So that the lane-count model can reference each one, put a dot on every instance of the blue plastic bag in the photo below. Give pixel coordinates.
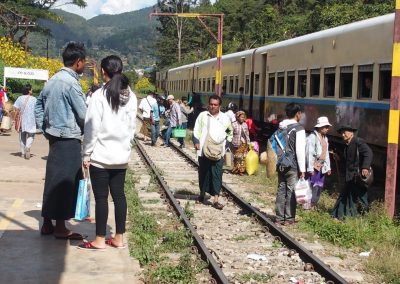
(82, 210)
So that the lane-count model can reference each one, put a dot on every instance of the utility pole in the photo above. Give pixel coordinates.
(394, 121)
(218, 38)
(26, 25)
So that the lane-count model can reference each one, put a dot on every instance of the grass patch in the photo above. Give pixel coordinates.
(188, 210)
(243, 237)
(374, 230)
(257, 277)
(148, 241)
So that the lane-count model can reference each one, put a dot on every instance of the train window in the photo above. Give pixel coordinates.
(247, 85)
(224, 83)
(257, 84)
(346, 81)
(290, 83)
(208, 85)
(199, 89)
(204, 85)
(315, 82)
(281, 83)
(236, 84)
(385, 81)
(231, 84)
(329, 82)
(213, 84)
(271, 84)
(365, 80)
(302, 83)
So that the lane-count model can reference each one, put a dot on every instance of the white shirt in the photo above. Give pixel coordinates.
(300, 146)
(108, 136)
(146, 105)
(26, 105)
(231, 115)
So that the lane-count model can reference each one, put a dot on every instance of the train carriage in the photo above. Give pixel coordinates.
(343, 73)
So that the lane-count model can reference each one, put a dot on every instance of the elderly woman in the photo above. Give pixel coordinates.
(318, 163)
(240, 142)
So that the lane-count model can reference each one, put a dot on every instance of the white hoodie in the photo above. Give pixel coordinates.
(300, 144)
(108, 135)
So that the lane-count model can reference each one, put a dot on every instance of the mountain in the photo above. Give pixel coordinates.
(130, 35)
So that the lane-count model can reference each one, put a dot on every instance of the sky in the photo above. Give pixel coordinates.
(98, 7)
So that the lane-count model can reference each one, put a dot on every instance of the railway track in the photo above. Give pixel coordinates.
(231, 240)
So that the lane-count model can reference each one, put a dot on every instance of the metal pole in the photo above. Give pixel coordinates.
(394, 120)
(47, 48)
(218, 75)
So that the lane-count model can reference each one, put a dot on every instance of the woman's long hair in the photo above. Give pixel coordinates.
(112, 66)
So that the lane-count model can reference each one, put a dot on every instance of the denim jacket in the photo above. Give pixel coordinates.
(60, 108)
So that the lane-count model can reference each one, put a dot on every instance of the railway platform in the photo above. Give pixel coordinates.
(28, 257)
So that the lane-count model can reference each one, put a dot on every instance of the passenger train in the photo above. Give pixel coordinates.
(343, 73)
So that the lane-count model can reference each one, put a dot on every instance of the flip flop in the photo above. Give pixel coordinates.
(89, 246)
(110, 243)
(72, 236)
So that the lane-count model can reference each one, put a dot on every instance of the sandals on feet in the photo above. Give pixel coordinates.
(110, 243)
(218, 205)
(89, 246)
(200, 199)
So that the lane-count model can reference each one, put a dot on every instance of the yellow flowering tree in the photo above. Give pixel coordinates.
(144, 85)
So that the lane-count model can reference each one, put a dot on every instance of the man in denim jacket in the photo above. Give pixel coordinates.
(60, 113)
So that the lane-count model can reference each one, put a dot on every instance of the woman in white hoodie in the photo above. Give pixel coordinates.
(109, 131)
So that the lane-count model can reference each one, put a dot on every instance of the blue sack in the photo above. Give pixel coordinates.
(82, 210)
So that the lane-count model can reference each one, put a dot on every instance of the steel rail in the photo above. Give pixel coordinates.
(213, 266)
(319, 266)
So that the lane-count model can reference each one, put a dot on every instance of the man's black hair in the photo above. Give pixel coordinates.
(215, 97)
(26, 89)
(293, 108)
(72, 52)
(184, 99)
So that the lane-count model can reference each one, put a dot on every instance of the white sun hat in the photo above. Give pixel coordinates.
(322, 121)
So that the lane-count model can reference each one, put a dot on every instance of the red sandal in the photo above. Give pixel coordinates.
(110, 243)
(89, 246)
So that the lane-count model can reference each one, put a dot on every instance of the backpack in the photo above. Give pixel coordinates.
(285, 149)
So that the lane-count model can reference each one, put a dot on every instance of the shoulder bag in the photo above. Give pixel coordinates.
(211, 149)
(18, 116)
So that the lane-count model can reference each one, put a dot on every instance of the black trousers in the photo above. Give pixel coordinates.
(103, 182)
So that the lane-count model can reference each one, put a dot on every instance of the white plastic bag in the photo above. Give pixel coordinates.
(303, 191)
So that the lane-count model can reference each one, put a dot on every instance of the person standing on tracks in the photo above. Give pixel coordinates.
(288, 173)
(109, 131)
(145, 106)
(211, 131)
(25, 108)
(357, 159)
(318, 161)
(60, 113)
(174, 118)
(240, 143)
(155, 122)
(185, 111)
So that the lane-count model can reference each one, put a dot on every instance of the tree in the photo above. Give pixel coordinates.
(175, 6)
(15, 12)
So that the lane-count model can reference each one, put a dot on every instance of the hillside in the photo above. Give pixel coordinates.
(131, 35)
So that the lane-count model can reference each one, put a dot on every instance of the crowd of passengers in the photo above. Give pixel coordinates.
(93, 137)
(296, 155)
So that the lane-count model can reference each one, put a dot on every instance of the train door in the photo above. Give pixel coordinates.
(263, 92)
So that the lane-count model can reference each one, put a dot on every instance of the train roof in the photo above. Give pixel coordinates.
(227, 56)
(331, 32)
(313, 36)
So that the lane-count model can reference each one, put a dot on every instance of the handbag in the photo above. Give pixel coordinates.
(303, 191)
(179, 132)
(82, 209)
(228, 158)
(5, 123)
(365, 181)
